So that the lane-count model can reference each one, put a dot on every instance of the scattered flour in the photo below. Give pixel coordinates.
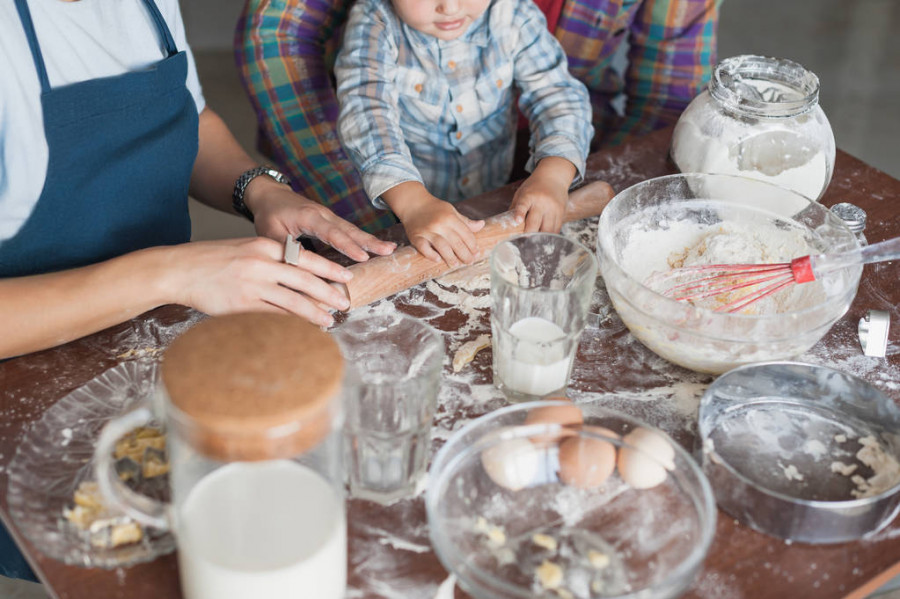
(791, 472)
(815, 448)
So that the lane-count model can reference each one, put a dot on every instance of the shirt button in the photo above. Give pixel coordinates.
(459, 135)
(499, 82)
(465, 181)
(451, 64)
(418, 88)
(459, 108)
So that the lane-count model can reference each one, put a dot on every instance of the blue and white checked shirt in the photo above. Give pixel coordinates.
(416, 108)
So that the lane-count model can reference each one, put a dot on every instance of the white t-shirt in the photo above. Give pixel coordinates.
(79, 41)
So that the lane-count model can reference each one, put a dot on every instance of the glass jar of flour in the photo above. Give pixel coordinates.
(759, 117)
(252, 412)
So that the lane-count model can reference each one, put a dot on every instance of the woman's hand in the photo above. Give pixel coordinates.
(279, 212)
(433, 226)
(541, 199)
(239, 275)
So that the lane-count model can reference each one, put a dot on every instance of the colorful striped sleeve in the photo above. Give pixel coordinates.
(671, 55)
(284, 51)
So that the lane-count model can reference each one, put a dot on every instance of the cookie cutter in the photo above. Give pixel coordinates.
(873, 332)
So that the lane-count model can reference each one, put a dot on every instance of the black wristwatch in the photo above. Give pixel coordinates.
(237, 196)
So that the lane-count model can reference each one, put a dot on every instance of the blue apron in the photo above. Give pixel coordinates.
(121, 153)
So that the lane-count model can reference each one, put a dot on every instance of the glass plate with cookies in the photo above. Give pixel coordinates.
(53, 496)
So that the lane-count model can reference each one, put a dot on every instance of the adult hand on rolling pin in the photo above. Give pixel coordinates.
(433, 226)
(280, 212)
(384, 276)
(249, 275)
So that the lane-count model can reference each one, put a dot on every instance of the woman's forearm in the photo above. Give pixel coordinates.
(46, 310)
(220, 161)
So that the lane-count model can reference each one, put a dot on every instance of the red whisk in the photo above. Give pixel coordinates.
(692, 283)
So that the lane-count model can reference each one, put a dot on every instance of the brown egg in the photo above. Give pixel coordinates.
(601, 430)
(569, 416)
(586, 462)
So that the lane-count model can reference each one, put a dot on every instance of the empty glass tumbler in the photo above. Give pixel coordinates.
(394, 365)
(252, 411)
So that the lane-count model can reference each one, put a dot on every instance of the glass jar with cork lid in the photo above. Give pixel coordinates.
(759, 118)
(252, 410)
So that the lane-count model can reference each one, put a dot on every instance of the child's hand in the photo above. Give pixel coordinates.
(541, 200)
(433, 226)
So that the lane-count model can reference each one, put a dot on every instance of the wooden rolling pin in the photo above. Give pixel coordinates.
(386, 275)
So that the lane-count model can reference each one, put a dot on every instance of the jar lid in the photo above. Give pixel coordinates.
(852, 215)
(253, 386)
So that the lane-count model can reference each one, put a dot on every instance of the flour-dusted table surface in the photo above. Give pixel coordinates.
(389, 553)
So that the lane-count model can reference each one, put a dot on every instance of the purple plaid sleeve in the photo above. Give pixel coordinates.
(672, 51)
(285, 51)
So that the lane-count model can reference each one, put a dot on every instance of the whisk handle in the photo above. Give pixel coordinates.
(877, 252)
(881, 251)
(802, 270)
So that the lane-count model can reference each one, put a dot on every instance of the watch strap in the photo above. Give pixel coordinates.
(240, 186)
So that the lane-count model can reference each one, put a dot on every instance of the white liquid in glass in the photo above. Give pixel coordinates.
(539, 363)
(269, 529)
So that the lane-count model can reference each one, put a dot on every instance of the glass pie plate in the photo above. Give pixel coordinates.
(57, 454)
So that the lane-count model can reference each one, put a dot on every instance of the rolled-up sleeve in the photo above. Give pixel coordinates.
(556, 104)
(671, 55)
(284, 54)
(369, 121)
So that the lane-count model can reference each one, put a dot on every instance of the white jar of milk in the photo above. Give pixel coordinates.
(759, 118)
(252, 412)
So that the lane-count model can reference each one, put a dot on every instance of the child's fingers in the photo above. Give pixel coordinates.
(474, 225)
(463, 250)
(551, 223)
(520, 211)
(533, 221)
(445, 251)
(426, 249)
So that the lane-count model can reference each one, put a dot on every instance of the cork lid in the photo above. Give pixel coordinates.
(253, 386)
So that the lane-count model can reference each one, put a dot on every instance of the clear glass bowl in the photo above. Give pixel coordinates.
(536, 536)
(643, 225)
(802, 452)
(57, 454)
(760, 117)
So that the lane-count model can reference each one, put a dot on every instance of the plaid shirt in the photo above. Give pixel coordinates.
(285, 50)
(416, 108)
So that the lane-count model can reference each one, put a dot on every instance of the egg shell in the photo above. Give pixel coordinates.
(643, 465)
(601, 430)
(586, 462)
(565, 415)
(511, 463)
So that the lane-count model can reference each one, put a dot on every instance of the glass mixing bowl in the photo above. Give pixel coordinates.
(505, 519)
(647, 225)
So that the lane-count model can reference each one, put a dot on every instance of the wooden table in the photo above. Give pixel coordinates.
(390, 556)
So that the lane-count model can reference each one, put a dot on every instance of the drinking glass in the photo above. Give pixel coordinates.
(393, 377)
(541, 287)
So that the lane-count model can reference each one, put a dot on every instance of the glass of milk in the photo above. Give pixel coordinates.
(251, 406)
(393, 377)
(541, 288)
